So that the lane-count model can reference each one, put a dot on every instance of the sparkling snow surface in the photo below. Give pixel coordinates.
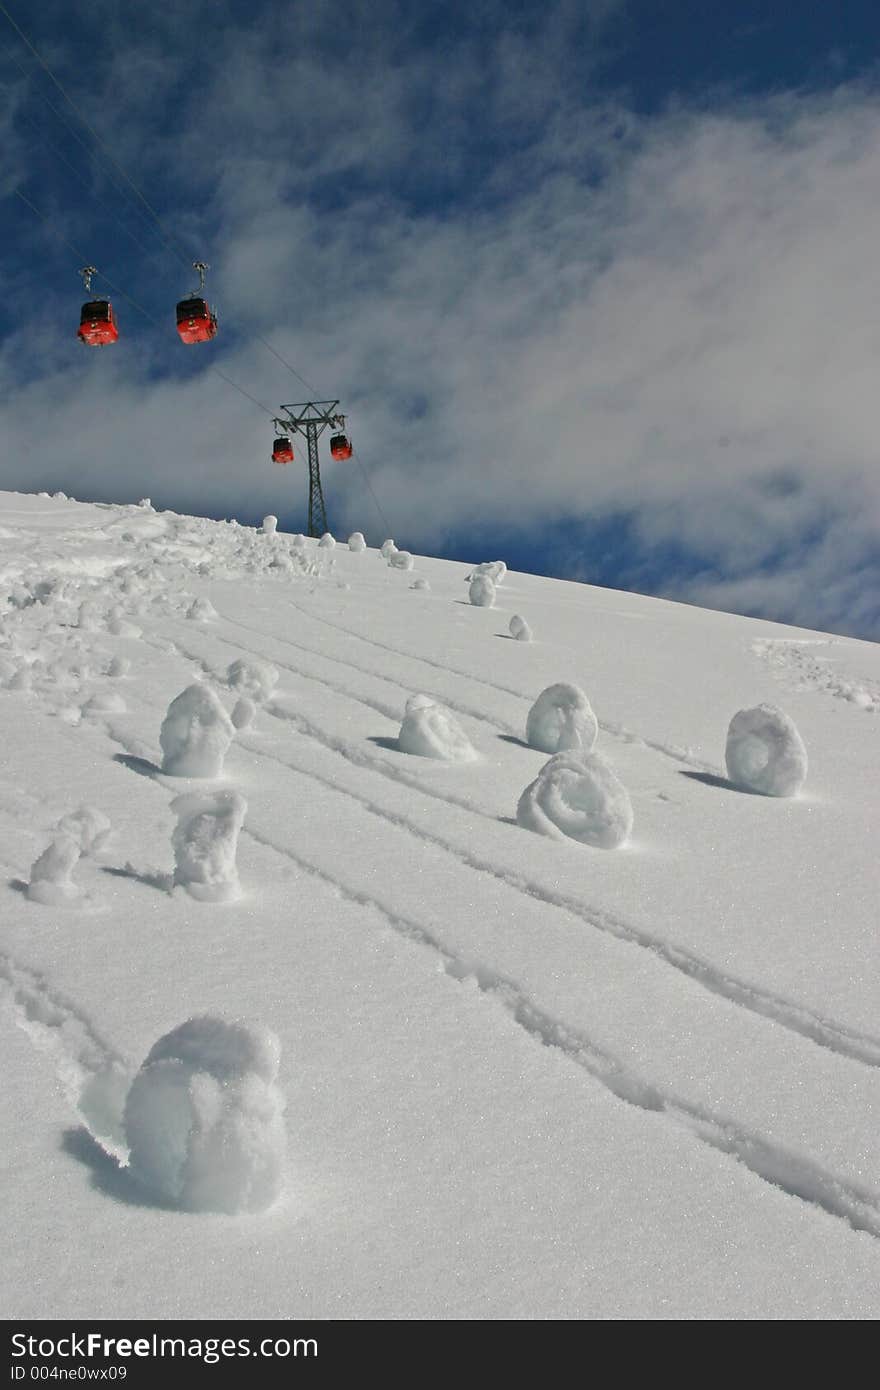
(522, 1077)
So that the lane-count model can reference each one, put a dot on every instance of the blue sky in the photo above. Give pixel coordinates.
(595, 281)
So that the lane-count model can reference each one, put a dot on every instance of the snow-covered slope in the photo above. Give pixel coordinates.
(524, 1077)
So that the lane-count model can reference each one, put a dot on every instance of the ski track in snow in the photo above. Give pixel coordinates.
(58, 1028)
(798, 1018)
(836, 1037)
(618, 731)
(793, 1173)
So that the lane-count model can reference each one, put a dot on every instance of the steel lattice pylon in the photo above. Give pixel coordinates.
(311, 418)
(317, 510)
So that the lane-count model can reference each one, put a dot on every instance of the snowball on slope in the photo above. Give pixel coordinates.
(201, 610)
(519, 629)
(270, 525)
(22, 679)
(765, 753)
(401, 560)
(356, 541)
(430, 731)
(104, 702)
(204, 1119)
(388, 549)
(419, 701)
(91, 616)
(195, 734)
(88, 827)
(256, 679)
(561, 718)
(327, 541)
(244, 713)
(482, 591)
(579, 797)
(119, 626)
(225, 1048)
(50, 880)
(205, 841)
(492, 569)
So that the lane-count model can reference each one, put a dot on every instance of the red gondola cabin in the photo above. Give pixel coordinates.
(340, 447)
(195, 321)
(97, 323)
(282, 450)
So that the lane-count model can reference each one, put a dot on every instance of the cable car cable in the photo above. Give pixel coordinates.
(292, 370)
(386, 523)
(120, 293)
(147, 251)
(94, 134)
(90, 154)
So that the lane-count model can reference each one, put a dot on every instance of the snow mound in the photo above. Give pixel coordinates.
(519, 628)
(195, 734)
(560, 719)
(401, 560)
(50, 881)
(244, 713)
(201, 610)
(482, 591)
(356, 541)
(91, 616)
(430, 731)
(577, 797)
(119, 626)
(388, 549)
(204, 1119)
(105, 702)
(87, 827)
(298, 541)
(270, 525)
(205, 841)
(765, 753)
(251, 677)
(327, 541)
(420, 584)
